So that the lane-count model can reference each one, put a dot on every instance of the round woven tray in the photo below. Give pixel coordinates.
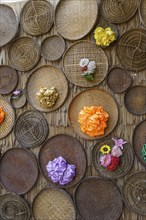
(8, 24)
(53, 204)
(8, 123)
(134, 192)
(126, 160)
(24, 54)
(46, 76)
(98, 198)
(75, 19)
(18, 170)
(8, 79)
(135, 100)
(142, 11)
(72, 57)
(93, 97)
(131, 49)
(31, 129)
(13, 207)
(118, 80)
(53, 47)
(67, 147)
(117, 11)
(18, 102)
(37, 17)
(139, 139)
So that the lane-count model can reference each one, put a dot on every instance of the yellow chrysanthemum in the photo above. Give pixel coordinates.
(103, 36)
(105, 149)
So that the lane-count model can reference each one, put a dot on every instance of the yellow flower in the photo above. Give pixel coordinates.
(105, 149)
(103, 36)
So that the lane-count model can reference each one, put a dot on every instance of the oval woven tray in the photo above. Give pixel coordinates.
(98, 198)
(93, 97)
(131, 50)
(37, 17)
(13, 207)
(46, 76)
(142, 11)
(67, 147)
(24, 54)
(31, 129)
(72, 57)
(53, 204)
(8, 25)
(18, 170)
(75, 19)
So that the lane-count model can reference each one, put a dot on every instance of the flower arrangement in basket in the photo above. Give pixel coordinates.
(88, 68)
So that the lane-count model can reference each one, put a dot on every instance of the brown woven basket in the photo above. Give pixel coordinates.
(24, 54)
(67, 147)
(18, 102)
(9, 24)
(126, 160)
(98, 198)
(18, 170)
(134, 192)
(75, 19)
(72, 57)
(117, 11)
(131, 49)
(46, 76)
(31, 129)
(135, 100)
(53, 204)
(93, 97)
(13, 207)
(37, 17)
(142, 11)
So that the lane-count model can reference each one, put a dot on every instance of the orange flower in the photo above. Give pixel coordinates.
(93, 120)
(2, 115)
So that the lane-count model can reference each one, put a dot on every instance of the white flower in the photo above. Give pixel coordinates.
(91, 66)
(84, 62)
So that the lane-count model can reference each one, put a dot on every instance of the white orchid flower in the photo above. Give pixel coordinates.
(84, 62)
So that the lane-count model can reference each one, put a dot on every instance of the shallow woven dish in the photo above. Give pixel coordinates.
(53, 204)
(131, 49)
(75, 19)
(53, 47)
(117, 11)
(46, 76)
(37, 17)
(139, 138)
(98, 198)
(134, 192)
(126, 160)
(18, 102)
(118, 80)
(135, 100)
(67, 147)
(24, 54)
(13, 207)
(142, 11)
(72, 57)
(8, 79)
(8, 123)
(8, 25)
(18, 170)
(92, 97)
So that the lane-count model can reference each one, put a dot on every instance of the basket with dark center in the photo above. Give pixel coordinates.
(142, 11)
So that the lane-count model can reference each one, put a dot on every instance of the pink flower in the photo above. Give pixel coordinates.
(105, 160)
(119, 142)
(116, 151)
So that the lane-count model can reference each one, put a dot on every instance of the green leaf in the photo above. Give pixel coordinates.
(89, 77)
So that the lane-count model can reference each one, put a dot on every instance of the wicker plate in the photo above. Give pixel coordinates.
(67, 147)
(98, 198)
(91, 97)
(8, 24)
(126, 161)
(7, 125)
(139, 138)
(134, 192)
(135, 100)
(31, 129)
(75, 19)
(131, 49)
(37, 17)
(18, 102)
(142, 11)
(18, 170)
(117, 11)
(46, 76)
(24, 54)
(53, 204)
(72, 57)
(53, 47)
(118, 80)
(13, 207)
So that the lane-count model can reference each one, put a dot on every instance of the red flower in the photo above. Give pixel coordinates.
(84, 68)
(114, 163)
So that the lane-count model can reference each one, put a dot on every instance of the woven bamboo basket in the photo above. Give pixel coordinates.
(142, 11)
(18, 102)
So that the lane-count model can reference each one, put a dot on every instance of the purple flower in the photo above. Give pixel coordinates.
(105, 160)
(119, 142)
(68, 174)
(17, 92)
(116, 151)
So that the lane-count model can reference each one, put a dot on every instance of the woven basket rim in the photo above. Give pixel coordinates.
(139, 13)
